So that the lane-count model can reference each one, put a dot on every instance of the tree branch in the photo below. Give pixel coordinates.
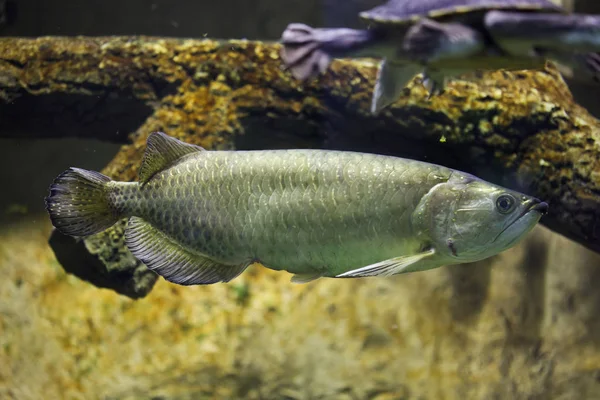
(521, 130)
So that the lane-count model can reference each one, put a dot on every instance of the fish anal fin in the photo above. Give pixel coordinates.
(392, 78)
(390, 267)
(171, 260)
(161, 152)
(305, 278)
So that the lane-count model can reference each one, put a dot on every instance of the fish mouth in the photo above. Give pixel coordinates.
(534, 205)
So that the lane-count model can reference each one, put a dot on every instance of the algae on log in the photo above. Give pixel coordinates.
(518, 129)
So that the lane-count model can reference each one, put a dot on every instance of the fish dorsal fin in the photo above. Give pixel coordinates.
(163, 151)
(390, 267)
(172, 261)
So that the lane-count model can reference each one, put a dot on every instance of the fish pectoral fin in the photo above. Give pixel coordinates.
(389, 267)
(391, 80)
(172, 261)
(161, 152)
(305, 278)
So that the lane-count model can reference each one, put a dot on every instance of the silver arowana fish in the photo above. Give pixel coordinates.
(201, 217)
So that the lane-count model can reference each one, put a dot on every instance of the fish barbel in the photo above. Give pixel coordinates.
(201, 217)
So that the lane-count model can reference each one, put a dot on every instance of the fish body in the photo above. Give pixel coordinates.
(299, 210)
(445, 43)
(200, 217)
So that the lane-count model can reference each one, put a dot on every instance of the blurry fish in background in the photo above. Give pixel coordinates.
(581, 73)
(565, 41)
(445, 39)
(584, 78)
(201, 217)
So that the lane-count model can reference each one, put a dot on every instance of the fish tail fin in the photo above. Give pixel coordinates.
(301, 53)
(79, 203)
(308, 51)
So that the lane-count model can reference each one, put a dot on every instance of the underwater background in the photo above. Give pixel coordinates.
(521, 325)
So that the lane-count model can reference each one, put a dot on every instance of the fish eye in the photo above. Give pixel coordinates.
(505, 203)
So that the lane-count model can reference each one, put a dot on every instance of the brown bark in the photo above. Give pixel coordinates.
(521, 130)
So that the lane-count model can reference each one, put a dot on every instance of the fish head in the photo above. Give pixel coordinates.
(467, 219)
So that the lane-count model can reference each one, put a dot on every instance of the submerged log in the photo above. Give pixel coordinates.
(521, 130)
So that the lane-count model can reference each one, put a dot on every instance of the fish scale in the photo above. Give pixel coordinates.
(271, 191)
(200, 217)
